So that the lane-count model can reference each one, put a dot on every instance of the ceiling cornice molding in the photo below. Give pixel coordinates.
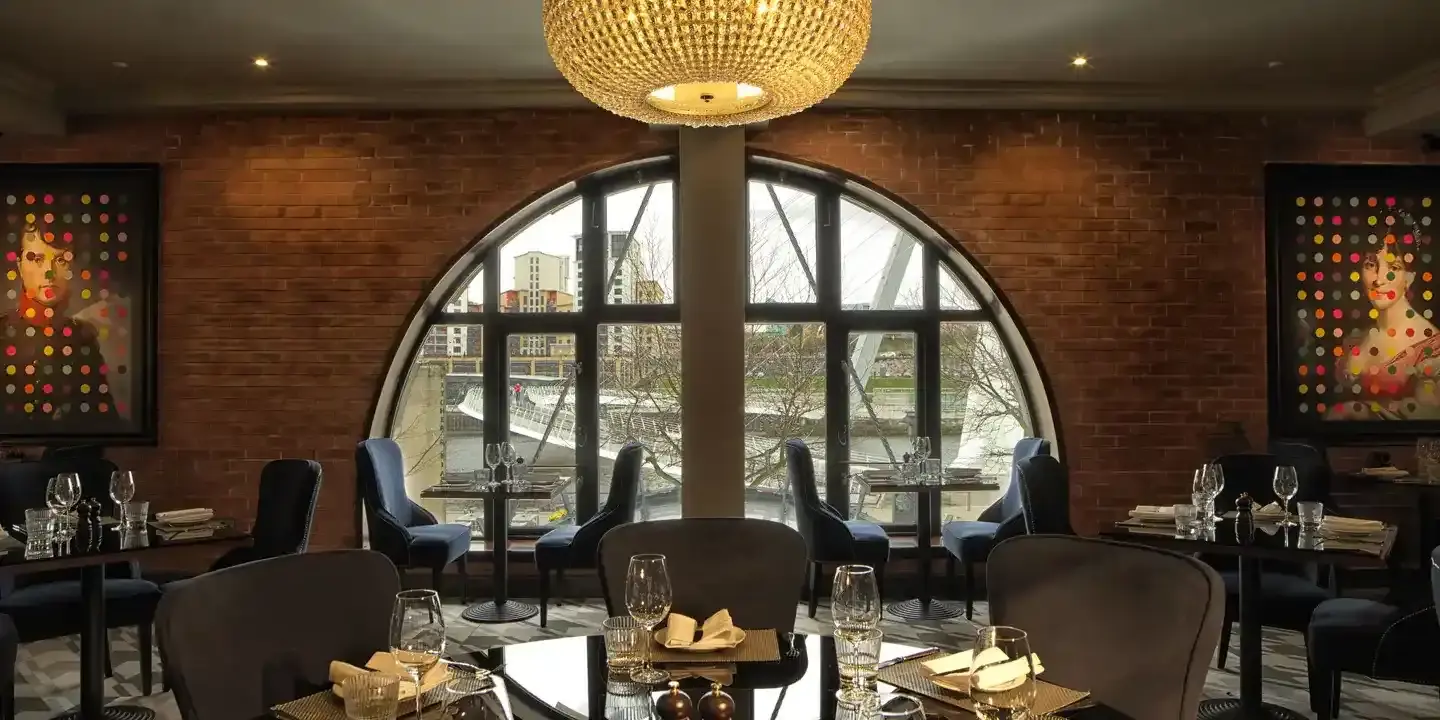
(27, 104)
(1409, 103)
(884, 94)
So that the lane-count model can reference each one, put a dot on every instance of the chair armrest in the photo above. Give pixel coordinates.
(420, 516)
(389, 537)
(1399, 643)
(1013, 527)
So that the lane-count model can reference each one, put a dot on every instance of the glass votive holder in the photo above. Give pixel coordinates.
(858, 656)
(134, 514)
(624, 642)
(371, 696)
(1204, 505)
(462, 683)
(1311, 513)
(39, 525)
(1186, 516)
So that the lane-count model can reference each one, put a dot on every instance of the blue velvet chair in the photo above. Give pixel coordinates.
(1045, 496)
(970, 541)
(829, 537)
(399, 528)
(1374, 639)
(576, 546)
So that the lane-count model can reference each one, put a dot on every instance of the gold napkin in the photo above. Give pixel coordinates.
(1335, 522)
(997, 669)
(384, 662)
(718, 632)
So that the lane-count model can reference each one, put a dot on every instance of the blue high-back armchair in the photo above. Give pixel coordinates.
(399, 528)
(829, 537)
(577, 546)
(970, 541)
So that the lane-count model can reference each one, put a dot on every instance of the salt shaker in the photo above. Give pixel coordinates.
(674, 705)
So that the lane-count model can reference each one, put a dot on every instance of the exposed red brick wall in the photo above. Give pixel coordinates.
(295, 248)
(1130, 245)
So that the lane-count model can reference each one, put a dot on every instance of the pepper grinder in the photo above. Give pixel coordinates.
(674, 705)
(1244, 519)
(716, 704)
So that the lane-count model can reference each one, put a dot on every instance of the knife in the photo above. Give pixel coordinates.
(906, 658)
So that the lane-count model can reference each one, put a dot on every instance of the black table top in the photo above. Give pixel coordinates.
(1267, 541)
(108, 544)
(568, 678)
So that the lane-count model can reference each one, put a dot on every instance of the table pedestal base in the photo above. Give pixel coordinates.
(508, 612)
(113, 712)
(1229, 709)
(922, 610)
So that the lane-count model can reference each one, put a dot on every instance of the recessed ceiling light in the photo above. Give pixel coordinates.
(1080, 61)
(121, 64)
(261, 62)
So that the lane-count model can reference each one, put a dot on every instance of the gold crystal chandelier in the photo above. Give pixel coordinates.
(706, 62)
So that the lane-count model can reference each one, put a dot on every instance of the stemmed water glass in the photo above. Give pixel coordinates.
(920, 446)
(507, 458)
(1286, 486)
(647, 598)
(855, 600)
(122, 490)
(417, 635)
(1218, 472)
(492, 460)
(61, 495)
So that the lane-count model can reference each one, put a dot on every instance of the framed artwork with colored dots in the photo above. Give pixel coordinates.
(78, 305)
(1354, 301)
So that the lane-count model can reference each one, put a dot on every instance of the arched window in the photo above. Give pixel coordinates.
(559, 333)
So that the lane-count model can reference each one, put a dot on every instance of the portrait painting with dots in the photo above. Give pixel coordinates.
(77, 309)
(1355, 317)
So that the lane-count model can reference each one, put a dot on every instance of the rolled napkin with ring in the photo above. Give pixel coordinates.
(191, 515)
(384, 662)
(997, 671)
(717, 633)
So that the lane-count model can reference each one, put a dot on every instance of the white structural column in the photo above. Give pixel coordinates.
(712, 261)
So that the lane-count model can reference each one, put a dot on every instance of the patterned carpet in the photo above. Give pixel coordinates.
(48, 672)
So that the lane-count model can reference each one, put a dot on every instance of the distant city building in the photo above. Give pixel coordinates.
(536, 270)
(453, 340)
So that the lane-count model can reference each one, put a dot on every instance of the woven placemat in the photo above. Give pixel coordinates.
(911, 675)
(326, 705)
(758, 646)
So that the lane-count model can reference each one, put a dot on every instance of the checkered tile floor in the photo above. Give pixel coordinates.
(48, 673)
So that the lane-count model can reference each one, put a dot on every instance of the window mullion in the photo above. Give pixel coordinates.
(593, 237)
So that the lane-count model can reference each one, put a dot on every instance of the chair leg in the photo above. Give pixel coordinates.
(814, 587)
(147, 644)
(464, 578)
(1222, 654)
(436, 574)
(1334, 695)
(109, 668)
(969, 590)
(7, 698)
(880, 583)
(544, 595)
(559, 586)
(950, 574)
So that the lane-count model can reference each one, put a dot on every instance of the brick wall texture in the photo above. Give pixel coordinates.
(296, 247)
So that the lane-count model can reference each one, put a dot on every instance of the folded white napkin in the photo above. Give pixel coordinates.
(384, 662)
(1167, 510)
(1337, 522)
(191, 514)
(1384, 472)
(1271, 509)
(717, 632)
(997, 670)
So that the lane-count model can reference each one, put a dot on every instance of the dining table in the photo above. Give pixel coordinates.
(93, 546)
(1251, 544)
(927, 493)
(568, 679)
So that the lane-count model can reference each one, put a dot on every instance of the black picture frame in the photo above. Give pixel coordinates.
(1293, 224)
(108, 217)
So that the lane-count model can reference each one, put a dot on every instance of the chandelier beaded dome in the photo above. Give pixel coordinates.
(706, 62)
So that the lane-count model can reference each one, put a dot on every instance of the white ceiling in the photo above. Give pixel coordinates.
(1172, 53)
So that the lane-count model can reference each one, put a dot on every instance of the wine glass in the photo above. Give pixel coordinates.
(648, 597)
(921, 446)
(53, 496)
(855, 600)
(1286, 485)
(122, 490)
(492, 458)
(417, 634)
(1218, 473)
(507, 458)
(1205, 485)
(1002, 686)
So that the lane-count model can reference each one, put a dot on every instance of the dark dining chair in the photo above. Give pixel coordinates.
(9, 648)
(712, 566)
(228, 639)
(970, 541)
(48, 604)
(399, 528)
(1374, 639)
(1289, 592)
(1134, 625)
(576, 546)
(829, 536)
(1045, 496)
(284, 512)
